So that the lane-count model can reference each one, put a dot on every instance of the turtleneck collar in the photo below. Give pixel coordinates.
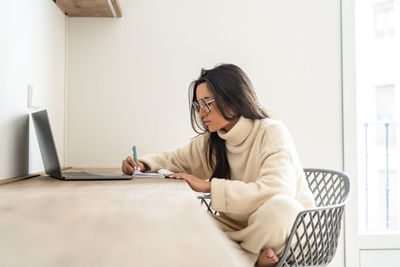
(239, 132)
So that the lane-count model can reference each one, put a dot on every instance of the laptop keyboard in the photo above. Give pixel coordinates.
(80, 175)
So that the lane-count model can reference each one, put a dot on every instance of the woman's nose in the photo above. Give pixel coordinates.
(202, 113)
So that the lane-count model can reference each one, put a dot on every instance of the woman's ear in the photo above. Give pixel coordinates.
(232, 113)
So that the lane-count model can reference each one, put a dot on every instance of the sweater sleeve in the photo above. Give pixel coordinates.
(277, 175)
(188, 159)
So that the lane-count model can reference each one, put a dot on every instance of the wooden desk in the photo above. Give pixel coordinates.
(139, 222)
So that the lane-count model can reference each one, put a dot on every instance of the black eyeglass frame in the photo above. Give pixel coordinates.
(197, 105)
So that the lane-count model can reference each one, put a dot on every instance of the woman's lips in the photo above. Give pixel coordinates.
(207, 122)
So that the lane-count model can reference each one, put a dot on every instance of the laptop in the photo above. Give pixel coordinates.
(50, 158)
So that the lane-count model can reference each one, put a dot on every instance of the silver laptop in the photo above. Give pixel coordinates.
(50, 158)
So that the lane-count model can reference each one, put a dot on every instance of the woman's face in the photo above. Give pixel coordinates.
(212, 119)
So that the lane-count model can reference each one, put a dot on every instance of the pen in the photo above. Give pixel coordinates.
(135, 155)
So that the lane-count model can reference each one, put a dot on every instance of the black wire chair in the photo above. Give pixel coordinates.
(314, 236)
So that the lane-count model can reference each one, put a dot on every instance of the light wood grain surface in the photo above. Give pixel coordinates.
(89, 8)
(139, 222)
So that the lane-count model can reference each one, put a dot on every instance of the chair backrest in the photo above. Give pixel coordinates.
(329, 187)
(314, 237)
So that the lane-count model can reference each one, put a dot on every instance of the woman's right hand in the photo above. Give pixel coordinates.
(129, 166)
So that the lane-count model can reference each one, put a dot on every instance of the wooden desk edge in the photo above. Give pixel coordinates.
(29, 176)
(17, 179)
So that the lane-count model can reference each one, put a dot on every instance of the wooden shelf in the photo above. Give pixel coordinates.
(90, 8)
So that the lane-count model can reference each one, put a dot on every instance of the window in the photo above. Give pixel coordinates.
(385, 114)
(383, 13)
(381, 155)
(385, 103)
(384, 201)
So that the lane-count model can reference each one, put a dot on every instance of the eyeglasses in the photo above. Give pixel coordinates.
(203, 104)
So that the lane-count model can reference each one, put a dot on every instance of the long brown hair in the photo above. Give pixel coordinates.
(234, 96)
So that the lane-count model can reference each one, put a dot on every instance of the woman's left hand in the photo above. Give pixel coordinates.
(197, 184)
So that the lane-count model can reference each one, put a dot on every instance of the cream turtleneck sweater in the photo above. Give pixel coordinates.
(263, 162)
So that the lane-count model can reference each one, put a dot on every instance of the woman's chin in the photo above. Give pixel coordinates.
(212, 129)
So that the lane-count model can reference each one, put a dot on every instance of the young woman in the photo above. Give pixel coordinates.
(246, 160)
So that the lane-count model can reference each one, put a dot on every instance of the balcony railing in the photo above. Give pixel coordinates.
(381, 162)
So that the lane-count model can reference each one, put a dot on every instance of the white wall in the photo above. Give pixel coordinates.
(32, 51)
(128, 77)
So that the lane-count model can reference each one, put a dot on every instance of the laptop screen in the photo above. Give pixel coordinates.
(46, 143)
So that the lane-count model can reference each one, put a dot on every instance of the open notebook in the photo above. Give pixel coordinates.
(162, 173)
